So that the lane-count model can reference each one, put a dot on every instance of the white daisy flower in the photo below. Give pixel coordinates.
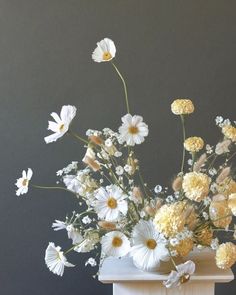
(61, 124)
(55, 259)
(133, 130)
(182, 275)
(23, 182)
(58, 225)
(105, 51)
(115, 244)
(148, 248)
(110, 203)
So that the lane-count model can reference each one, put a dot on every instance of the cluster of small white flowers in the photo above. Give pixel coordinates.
(190, 162)
(205, 215)
(186, 233)
(213, 188)
(158, 189)
(109, 133)
(72, 166)
(207, 201)
(119, 170)
(91, 261)
(86, 220)
(91, 132)
(212, 171)
(209, 149)
(221, 122)
(215, 244)
(170, 199)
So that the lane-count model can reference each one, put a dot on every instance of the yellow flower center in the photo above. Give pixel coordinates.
(61, 127)
(117, 242)
(106, 55)
(25, 182)
(185, 278)
(133, 129)
(112, 203)
(151, 244)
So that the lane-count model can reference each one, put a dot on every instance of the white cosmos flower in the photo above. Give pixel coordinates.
(58, 225)
(148, 247)
(182, 275)
(110, 203)
(61, 124)
(105, 51)
(133, 130)
(55, 259)
(23, 182)
(115, 244)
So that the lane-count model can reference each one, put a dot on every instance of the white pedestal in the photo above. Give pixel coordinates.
(128, 280)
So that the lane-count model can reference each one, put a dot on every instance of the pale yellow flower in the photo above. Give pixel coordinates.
(196, 185)
(170, 218)
(204, 236)
(193, 144)
(184, 247)
(182, 107)
(229, 132)
(232, 203)
(220, 213)
(226, 255)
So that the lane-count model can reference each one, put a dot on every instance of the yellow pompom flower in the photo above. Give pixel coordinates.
(232, 203)
(193, 144)
(184, 247)
(220, 213)
(229, 132)
(170, 219)
(226, 255)
(227, 187)
(196, 185)
(182, 107)
(204, 236)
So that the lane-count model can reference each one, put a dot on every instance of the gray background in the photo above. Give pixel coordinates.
(165, 49)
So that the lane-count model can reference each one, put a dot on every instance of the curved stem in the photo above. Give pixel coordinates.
(52, 187)
(184, 137)
(77, 136)
(125, 87)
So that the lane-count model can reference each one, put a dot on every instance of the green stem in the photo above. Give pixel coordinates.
(125, 87)
(193, 160)
(52, 187)
(184, 137)
(78, 137)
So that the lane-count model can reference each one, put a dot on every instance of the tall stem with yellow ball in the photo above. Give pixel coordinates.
(184, 137)
(124, 85)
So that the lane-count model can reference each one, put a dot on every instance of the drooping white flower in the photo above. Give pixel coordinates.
(91, 261)
(55, 259)
(22, 183)
(148, 248)
(133, 130)
(61, 124)
(105, 51)
(58, 225)
(74, 234)
(115, 244)
(88, 244)
(110, 203)
(182, 275)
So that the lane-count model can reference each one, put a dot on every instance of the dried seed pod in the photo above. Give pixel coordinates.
(150, 210)
(177, 184)
(137, 194)
(96, 139)
(107, 225)
(223, 175)
(199, 163)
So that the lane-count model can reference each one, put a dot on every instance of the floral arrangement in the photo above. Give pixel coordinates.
(122, 215)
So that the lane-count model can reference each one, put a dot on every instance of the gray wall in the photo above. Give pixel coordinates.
(165, 49)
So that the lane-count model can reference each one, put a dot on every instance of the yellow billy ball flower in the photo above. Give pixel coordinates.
(229, 132)
(227, 187)
(232, 203)
(226, 255)
(204, 235)
(182, 107)
(170, 219)
(193, 144)
(184, 247)
(196, 185)
(220, 213)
